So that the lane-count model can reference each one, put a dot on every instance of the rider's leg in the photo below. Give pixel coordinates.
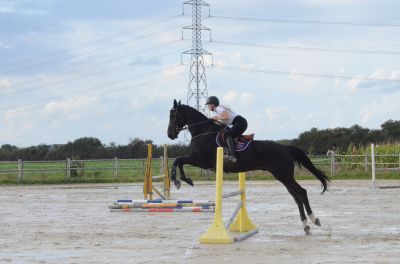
(239, 126)
(231, 149)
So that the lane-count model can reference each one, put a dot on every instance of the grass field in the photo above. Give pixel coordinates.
(103, 171)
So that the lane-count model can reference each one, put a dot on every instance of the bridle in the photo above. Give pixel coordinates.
(178, 129)
(188, 126)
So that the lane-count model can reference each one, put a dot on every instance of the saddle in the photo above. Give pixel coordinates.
(245, 138)
(241, 142)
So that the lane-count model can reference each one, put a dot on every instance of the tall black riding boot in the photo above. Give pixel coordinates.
(231, 150)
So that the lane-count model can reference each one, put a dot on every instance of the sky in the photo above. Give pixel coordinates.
(111, 69)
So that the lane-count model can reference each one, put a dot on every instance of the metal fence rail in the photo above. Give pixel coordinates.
(102, 168)
(126, 169)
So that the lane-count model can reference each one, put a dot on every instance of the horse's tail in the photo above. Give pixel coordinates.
(301, 159)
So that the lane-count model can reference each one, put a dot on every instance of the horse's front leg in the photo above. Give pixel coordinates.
(173, 174)
(183, 175)
(179, 162)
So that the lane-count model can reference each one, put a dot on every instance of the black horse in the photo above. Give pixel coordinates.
(260, 155)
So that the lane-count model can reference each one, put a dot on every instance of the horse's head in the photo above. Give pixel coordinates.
(177, 120)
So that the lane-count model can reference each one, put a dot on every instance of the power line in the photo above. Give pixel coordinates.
(108, 92)
(90, 52)
(311, 22)
(311, 75)
(96, 64)
(87, 75)
(284, 47)
(67, 95)
(91, 42)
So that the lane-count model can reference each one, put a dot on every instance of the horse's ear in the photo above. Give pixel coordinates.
(175, 104)
(179, 103)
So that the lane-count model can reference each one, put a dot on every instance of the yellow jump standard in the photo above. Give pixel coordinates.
(217, 232)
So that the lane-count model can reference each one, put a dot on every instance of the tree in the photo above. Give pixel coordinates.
(137, 148)
(87, 148)
(391, 130)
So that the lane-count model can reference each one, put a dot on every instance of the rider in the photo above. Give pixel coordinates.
(229, 118)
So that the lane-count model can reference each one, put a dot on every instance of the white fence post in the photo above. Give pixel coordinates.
(332, 163)
(68, 168)
(115, 168)
(366, 162)
(161, 165)
(373, 164)
(20, 170)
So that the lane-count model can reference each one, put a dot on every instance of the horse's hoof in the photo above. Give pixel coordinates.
(317, 222)
(189, 181)
(307, 230)
(177, 184)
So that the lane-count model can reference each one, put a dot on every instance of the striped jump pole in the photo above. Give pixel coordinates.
(239, 222)
(160, 205)
(165, 210)
(164, 201)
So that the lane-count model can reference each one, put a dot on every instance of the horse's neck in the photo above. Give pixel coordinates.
(194, 120)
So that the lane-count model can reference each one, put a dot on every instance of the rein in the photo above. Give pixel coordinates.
(186, 127)
(204, 134)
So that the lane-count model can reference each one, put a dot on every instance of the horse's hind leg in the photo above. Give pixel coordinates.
(304, 198)
(299, 203)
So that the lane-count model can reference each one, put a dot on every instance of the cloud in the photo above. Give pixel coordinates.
(73, 109)
(7, 7)
(5, 83)
(327, 3)
(358, 85)
(143, 61)
(174, 69)
(376, 112)
(274, 113)
(4, 46)
(302, 84)
(237, 100)
(164, 91)
(19, 7)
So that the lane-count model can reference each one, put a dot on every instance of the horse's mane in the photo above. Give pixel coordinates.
(199, 116)
(188, 108)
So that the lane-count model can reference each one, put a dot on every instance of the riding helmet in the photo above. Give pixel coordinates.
(213, 100)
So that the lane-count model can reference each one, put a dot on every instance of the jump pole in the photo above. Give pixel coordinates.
(217, 232)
